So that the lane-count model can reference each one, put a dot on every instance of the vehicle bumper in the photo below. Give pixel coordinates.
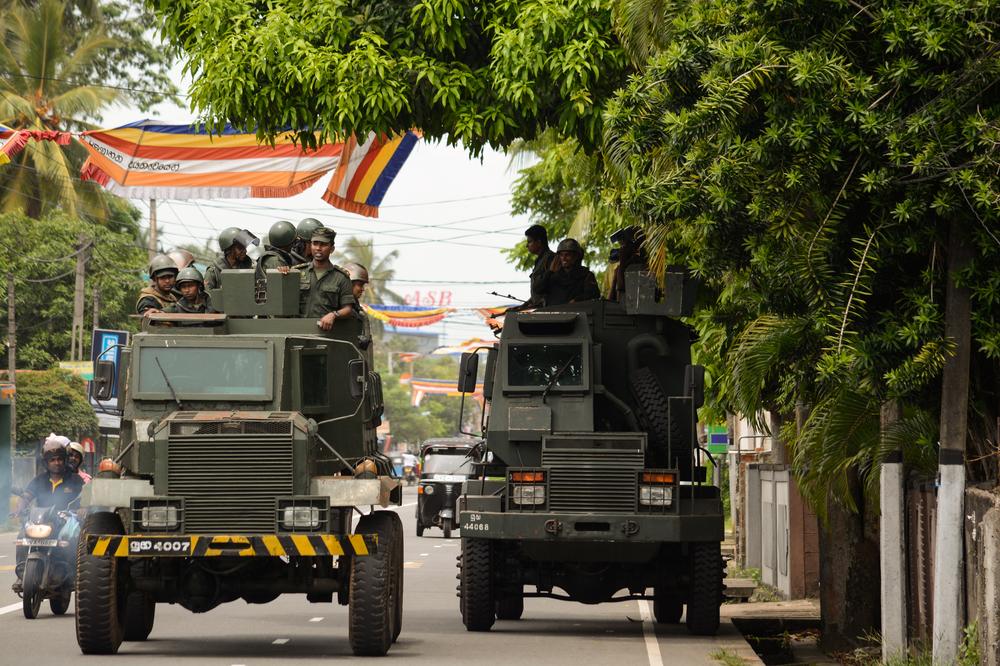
(219, 545)
(621, 528)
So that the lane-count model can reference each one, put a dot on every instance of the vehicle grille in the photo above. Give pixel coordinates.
(229, 482)
(588, 480)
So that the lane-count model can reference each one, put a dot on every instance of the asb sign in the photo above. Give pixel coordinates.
(107, 346)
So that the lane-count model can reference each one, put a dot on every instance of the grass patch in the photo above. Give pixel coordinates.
(728, 658)
(763, 592)
(968, 653)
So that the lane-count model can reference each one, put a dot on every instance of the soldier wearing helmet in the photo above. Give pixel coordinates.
(193, 299)
(233, 242)
(301, 246)
(359, 280)
(182, 258)
(278, 250)
(74, 460)
(325, 290)
(570, 281)
(159, 294)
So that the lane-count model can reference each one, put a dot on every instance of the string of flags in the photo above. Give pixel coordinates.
(415, 316)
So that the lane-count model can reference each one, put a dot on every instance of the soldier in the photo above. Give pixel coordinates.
(569, 281)
(277, 251)
(538, 245)
(193, 299)
(630, 257)
(359, 280)
(301, 248)
(159, 294)
(325, 290)
(233, 243)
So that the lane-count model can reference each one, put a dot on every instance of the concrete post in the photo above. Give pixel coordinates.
(892, 557)
(949, 611)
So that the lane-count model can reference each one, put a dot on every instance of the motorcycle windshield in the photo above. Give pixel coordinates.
(39, 515)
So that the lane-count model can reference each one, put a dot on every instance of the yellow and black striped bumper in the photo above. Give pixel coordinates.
(217, 545)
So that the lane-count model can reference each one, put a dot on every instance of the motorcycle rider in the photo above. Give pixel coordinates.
(56, 486)
(74, 459)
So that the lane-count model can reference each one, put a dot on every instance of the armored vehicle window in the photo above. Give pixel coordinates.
(204, 372)
(536, 365)
(314, 393)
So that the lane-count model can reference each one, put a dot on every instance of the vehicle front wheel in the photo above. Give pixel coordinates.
(372, 611)
(60, 604)
(446, 527)
(667, 607)
(140, 613)
(100, 593)
(31, 595)
(476, 589)
(705, 595)
(510, 606)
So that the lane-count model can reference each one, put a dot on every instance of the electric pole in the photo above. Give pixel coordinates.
(76, 344)
(96, 318)
(8, 471)
(152, 229)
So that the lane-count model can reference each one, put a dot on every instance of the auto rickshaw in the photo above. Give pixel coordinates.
(447, 464)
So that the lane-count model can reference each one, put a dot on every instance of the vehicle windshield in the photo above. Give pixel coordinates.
(204, 372)
(536, 365)
(447, 463)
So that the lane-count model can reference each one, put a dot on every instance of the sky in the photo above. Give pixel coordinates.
(447, 214)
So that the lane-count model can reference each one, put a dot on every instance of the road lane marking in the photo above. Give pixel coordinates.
(315, 619)
(279, 641)
(7, 567)
(402, 506)
(649, 634)
(424, 554)
(406, 565)
(10, 609)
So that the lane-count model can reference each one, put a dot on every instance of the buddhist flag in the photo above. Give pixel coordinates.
(150, 160)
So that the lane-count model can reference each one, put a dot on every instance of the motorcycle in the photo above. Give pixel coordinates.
(49, 568)
(446, 467)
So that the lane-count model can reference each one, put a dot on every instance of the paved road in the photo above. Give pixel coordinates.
(292, 631)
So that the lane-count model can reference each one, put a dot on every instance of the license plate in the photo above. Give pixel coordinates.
(453, 478)
(38, 543)
(159, 546)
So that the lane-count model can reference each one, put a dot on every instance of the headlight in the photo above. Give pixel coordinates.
(300, 517)
(528, 495)
(158, 517)
(428, 489)
(38, 531)
(656, 495)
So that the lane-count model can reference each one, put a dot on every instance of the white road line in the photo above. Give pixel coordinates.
(315, 619)
(649, 634)
(279, 641)
(10, 609)
(424, 554)
(402, 506)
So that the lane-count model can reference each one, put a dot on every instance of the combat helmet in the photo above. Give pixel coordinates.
(282, 234)
(162, 263)
(190, 274)
(227, 237)
(357, 272)
(306, 228)
(570, 245)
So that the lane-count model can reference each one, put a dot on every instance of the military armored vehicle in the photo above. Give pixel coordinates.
(250, 445)
(590, 485)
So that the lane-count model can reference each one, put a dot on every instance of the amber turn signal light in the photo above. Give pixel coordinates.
(657, 477)
(527, 477)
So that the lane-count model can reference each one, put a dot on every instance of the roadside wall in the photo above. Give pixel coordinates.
(982, 569)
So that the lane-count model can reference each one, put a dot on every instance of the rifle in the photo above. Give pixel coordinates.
(513, 298)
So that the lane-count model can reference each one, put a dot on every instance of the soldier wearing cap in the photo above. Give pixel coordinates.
(570, 281)
(537, 239)
(233, 242)
(158, 295)
(325, 289)
(193, 300)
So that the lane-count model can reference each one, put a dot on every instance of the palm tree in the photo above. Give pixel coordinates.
(380, 270)
(42, 88)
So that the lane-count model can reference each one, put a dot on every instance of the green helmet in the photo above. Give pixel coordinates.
(162, 263)
(190, 274)
(307, 227)
(570, 245)
(281, 234)
(228, 237)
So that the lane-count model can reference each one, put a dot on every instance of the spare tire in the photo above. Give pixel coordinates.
(662, 427)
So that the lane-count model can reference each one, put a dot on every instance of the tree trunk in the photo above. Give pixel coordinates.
(849, 573)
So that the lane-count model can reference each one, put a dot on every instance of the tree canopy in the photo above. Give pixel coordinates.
(52, 401)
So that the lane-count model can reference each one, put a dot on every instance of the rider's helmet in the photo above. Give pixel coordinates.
(182, 258)
(570, 245)
(161, 263)
(357, 272)
(227, 237)
(190, 274)
(77, 448)
(306, 228)
(281, 234)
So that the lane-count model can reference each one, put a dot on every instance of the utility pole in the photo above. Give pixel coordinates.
(949, 615)
(8, 472)
(152, 229)
(892, 543)
(76, 345)
(96, 317)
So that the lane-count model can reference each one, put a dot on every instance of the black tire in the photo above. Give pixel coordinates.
(59, 605)
(100, 594)
(420, 530)
(140, 613)
(705, 595)
(446, 527)
(510, 606)
(476, 588)
(667, 607)
(653, 417)
(31, 594)
(397, 573)
(371, 611)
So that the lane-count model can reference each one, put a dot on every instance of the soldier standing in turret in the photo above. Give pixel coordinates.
(158, 295)
(570, 281)
(359, 280)
(537, 239)
(232, 242)
(325, 289)
(301, 248)
(193, 300)
(277, 251)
